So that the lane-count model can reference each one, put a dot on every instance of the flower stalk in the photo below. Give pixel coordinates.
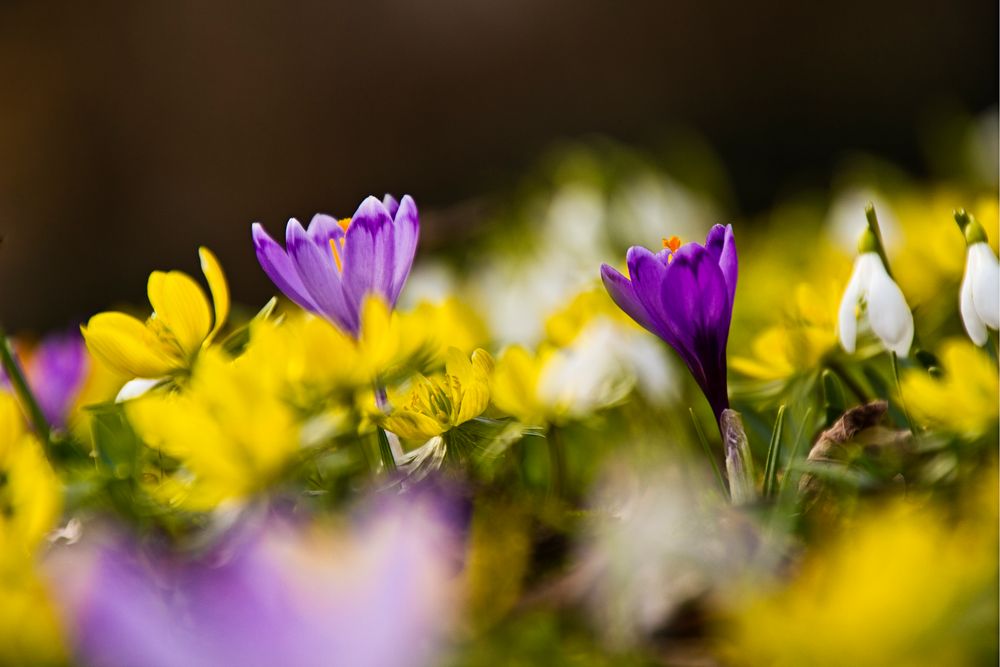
(739, 462)
(17, 379)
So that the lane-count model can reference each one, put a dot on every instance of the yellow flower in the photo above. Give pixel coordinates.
(230, 430)
(181, 325)
(564, 325)
(964, 400)
(439, 403)
(797, 344)
(30, 632)
(932, 253)
(450, 323)
(312, 359)
(30, 496)
(30, 503)
(515, 385)
(390, 341)
(904, 587)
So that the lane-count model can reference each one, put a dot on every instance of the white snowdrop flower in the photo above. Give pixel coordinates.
(979, 297)
(871, 290)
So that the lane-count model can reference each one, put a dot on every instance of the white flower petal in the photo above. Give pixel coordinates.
(136, 388)
(847, 322)
(986, 284)
(974, 325)
(889, 316)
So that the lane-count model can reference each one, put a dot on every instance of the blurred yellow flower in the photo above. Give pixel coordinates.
(903, 587)
(229, 428)
(441, 402)
(564, 325)
(932, 252)
(450, 323)
(799, 343)
(554, 385)
(30, 631)
(181, 325)
(515, 385)
(30, 495)
(964, 400)
(390, 341)
(30, 503)
(311, 358)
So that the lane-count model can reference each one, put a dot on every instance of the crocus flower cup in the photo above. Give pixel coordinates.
(684, 295)
(330, 268)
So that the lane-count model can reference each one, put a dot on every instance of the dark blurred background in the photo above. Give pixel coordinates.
(131, 133)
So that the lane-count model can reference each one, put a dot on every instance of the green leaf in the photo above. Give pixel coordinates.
(708, 452)
(115, 443)
(773, 455)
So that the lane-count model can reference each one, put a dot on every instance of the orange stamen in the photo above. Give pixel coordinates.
(336, 254)
(344, 223)
(673, 243)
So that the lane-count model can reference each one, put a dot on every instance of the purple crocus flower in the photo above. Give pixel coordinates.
(55, 370)
(684, 295)
(277, 594)
(333, 265)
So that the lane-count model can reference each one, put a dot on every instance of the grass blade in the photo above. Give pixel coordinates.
(773, 455)
(708, 452)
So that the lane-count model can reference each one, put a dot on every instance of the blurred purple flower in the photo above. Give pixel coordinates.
(331, 267)
(55, 371)
(684, 295)
(378, 597)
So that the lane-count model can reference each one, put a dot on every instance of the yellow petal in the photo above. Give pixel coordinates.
(125, 345)
(11, 426)
(515, 383)
(181, 306)
(413, 425)
(217, 286)
(474, 388)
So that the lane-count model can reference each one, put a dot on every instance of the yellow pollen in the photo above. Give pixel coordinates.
(344, 223)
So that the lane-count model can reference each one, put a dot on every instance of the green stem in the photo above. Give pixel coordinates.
(899, 390)
(385, 451)
(23, 391)
(557, 462)
(877, 231)
(708, 452)
(850, 382)
(384, 448)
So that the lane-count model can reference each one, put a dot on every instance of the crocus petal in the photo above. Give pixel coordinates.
(986, 284)
(318, 272)
(126, 345)
(696, 299)
(56, 373)
(406, 231)
(847, 319)
(647, 273)
(622, 293)
(695, 292)
(324, 228)
(217, 286)
(279, 268)
(722, 246)
(180, 305)
(369, 252)
(888, 314)
(391, 204)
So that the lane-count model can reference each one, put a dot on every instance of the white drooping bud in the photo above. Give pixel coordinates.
(871, 288)
(979, 296)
